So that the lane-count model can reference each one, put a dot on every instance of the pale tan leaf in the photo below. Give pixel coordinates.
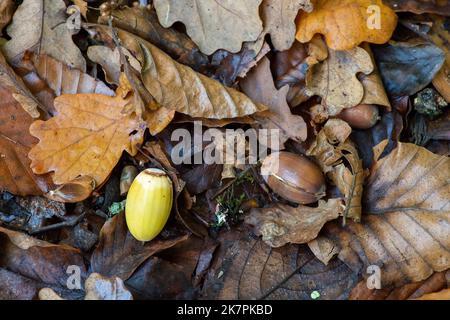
(213, 24)
(39, 26)
(323, 248)
(335, 79)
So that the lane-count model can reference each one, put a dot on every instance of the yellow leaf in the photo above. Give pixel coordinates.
(86, 138)
(347, 23)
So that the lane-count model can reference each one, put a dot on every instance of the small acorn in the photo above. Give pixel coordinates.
(149, 202)
(294, 177)
(363, 116)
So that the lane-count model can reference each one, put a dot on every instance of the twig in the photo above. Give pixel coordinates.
(66, 223)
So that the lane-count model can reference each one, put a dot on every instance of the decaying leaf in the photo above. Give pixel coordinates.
(441, 295)
(177, 87)
(347, 23)
(335, 79)
(86, 138)
(323, 248)
(331, 147)
(247, 268)
(144, 23)
(37, 259)
(259, 86)
(278, 17)
(420, 6)
(440, 35)
(398, 61)
(405, 225)
(118, 254)
(213, 24)
(74, 191)
(39, 26)
(282, 224)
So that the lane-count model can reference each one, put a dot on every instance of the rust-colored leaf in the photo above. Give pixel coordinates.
(347, 23)
(86, 138)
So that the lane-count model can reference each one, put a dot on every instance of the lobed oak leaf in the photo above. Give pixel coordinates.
(213, 24)
(335, 79)
(347, 23)
(86, 137)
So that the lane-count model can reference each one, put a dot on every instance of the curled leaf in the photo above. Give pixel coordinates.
(74, 191)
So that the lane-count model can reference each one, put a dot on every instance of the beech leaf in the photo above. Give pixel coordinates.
(39, 26)
(406, 220)
(213, 24)
(346, 23)
(87, 137)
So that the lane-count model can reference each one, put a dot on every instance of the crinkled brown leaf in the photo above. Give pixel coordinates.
(279, 20)
(405, 225)
(259, 86)
(346, 23)
(120, 254)
(213, 24)
(323, 248)
(39, 26)
(247, 268)
(282, 224)
(331, 147)
(335, 79)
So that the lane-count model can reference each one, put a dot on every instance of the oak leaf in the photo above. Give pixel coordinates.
(282, 224)
(260, 87)
(405, 225)
(279, 20)
(347, 23)
(39, 26)
(86, 137)
(335, 79)
(178, 87)
(213, 24)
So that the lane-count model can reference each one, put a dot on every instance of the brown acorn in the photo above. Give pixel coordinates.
(294, 177)
(363, 116)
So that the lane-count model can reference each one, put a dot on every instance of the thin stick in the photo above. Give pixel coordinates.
(66, 223)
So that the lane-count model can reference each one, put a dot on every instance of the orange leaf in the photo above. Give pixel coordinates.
(347, 23)
(87, 137)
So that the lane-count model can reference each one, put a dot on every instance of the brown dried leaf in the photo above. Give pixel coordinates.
(99, 287)
(405, 224)
(39, 26)
(119, 254)
(259, 86)
(441, 295)
(282, 224)
(346, 23)
(86, 138)
(178, 87)
(213, 24)
(440, 35)
(323, 248)
(74, 191)
(144, 23)
(279, 20)
(246, 268)
(36, 259)
(335, 79)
